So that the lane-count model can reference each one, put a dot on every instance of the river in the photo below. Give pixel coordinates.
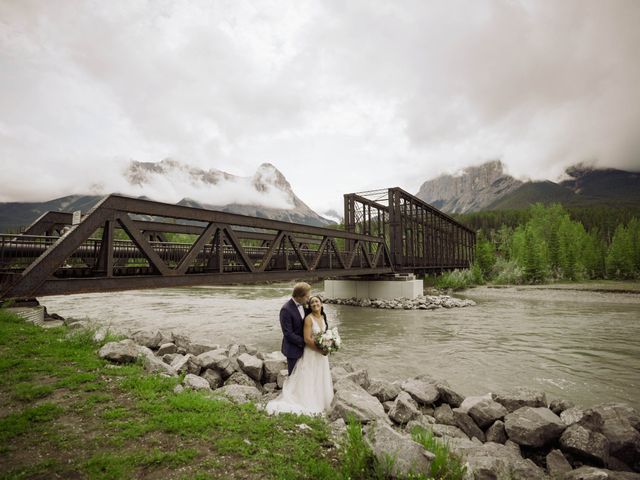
(578, 345)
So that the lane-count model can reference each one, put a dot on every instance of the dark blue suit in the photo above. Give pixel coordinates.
(293, 333)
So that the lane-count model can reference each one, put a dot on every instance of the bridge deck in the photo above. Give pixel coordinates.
(125, 243)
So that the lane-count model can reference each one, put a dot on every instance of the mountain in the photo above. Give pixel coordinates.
(266, 194)
(487, 187)
(471, 190)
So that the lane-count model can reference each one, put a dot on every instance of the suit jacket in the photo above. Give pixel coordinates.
(292, 329)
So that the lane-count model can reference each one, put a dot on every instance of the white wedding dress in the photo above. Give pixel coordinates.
(309, 389)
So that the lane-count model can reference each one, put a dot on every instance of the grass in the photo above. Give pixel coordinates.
(446, 465)
(69, 414)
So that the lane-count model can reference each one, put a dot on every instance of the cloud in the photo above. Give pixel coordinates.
(340, 96)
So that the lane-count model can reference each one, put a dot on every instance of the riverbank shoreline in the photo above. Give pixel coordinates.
(491, 432)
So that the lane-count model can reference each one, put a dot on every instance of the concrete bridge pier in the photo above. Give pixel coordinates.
(386, 287)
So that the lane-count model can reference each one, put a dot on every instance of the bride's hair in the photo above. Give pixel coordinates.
(324, 315)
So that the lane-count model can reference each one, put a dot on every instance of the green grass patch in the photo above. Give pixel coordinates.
(29, 419)
(446, 465)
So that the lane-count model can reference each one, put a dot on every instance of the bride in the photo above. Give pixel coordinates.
(309, 389)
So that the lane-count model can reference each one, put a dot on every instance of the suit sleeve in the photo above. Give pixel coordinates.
(286, 322)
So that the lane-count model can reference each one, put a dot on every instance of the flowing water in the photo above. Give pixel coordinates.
(578, 345)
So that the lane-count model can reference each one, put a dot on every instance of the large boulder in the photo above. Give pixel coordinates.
(521, 397)
(486, 411)
(423, 391)
(558, 406)
(217, 360)
(444, 415)
(153, 364)
(124, 351)
(239, 393)
(186, 363)
(147, 338)
(359, 377)
(167, 348)
(496, 433)
(196, 347)
(251, 365)
(274, 362)
(585, 444)
(448, 431)
(241, 378)
(383, 390)
(469, 402)
(495, 461)
(619, 426)
(213, 377)
(195, 382)
(404, 409)
(282, 377)
(592, 473)
(557, 464)
(397, 451)
(589, 418)
(352, 399)
(448, 395)
(467, 424)
(534, 427)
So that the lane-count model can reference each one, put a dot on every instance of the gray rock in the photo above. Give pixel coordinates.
(557, 464)
(485, 412)
(352, 399)
(78, 325)
(167, 348)
(274, 362)
(521, 397)
(469, 402)
(467, 424)
(496, 433)
(237, 350)
(196, 347)
(404, 409)
(338, 431)
(624, 439)
(387, 406)
(178, 389)
(383, 390)
(241, 378)
(558, 406)
(239, 393)
(585, 444)
(592, 473)
(408, 456)
(251, 365)
(533, 427)
(195, 382)
(359, 377)
(282, 376)
(618, 427)
(589, 418)
(269, 387)
(181, 341)
(495, 461)
(124, 351)
(211, 358)
(167, 337)
(423, 391)
(186, 363)
(213, 377)
(153, 364)
(448, 431)
(448, 395)
(170, 357)
(444, 415)
(337, 373)
(147, 338)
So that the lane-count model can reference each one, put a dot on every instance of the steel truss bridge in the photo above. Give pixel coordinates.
(126, 243)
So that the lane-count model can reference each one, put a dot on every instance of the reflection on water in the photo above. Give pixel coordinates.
(581, 346)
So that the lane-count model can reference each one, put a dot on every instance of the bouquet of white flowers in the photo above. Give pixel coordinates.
(328, 341)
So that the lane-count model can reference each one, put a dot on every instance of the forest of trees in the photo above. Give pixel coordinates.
(547, 243)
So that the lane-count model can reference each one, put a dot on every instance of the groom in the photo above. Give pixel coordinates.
(292, 316)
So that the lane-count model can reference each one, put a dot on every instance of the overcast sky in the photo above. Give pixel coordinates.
(340, 96)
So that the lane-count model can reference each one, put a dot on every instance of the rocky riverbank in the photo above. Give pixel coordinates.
(422, 302)
(511, 435)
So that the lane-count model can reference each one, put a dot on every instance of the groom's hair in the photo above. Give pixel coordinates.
(301, 289)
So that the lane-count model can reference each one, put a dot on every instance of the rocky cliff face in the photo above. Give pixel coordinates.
(472, 190)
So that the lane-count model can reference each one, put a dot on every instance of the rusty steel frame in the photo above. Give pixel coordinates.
(219, 254)
(420, 237)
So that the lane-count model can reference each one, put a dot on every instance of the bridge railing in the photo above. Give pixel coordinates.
(123, 243)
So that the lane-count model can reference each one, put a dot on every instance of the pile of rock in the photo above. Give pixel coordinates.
(422, 302)
(515, 435)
